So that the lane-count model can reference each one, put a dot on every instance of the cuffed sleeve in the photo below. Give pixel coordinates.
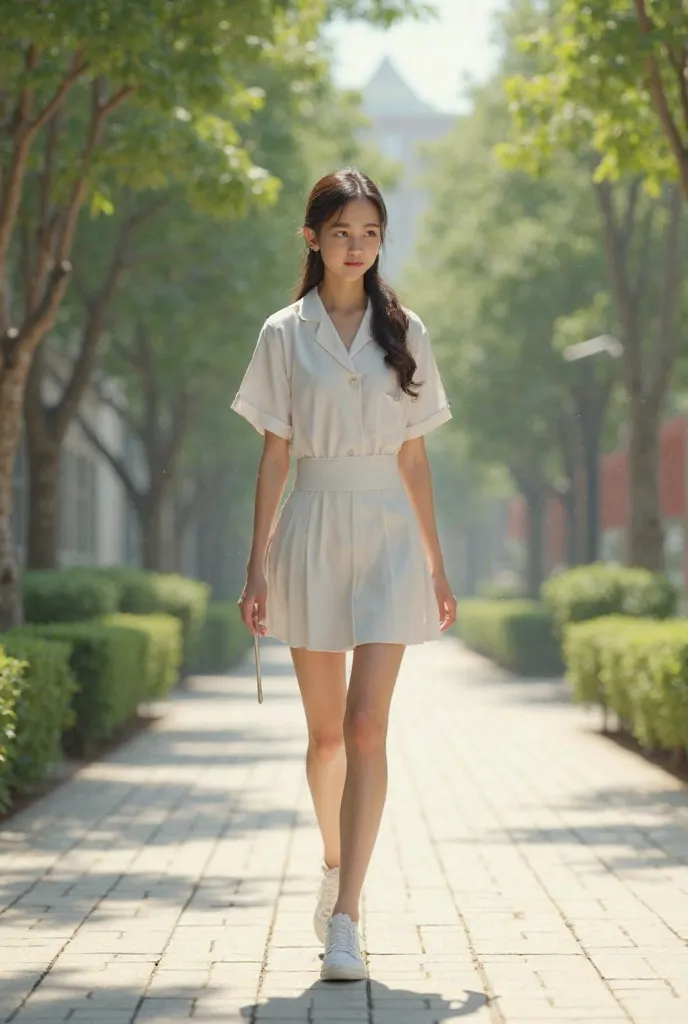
(430, 409)
(264, 397)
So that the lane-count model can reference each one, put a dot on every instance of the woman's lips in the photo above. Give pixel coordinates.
(354, 263)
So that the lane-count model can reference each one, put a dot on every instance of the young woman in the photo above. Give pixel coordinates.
(352, 562)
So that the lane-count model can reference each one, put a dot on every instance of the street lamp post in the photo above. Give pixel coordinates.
(590, 433)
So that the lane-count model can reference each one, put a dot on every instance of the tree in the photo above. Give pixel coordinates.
(613, 74)
(133, 194)
(182, 331)
(84, 64)
(597, 80)
(99, 57)
(503, 259)
(171, 348)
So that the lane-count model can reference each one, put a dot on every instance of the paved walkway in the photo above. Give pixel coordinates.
(528, 870)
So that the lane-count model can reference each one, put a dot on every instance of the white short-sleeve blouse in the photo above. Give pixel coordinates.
(303, 385)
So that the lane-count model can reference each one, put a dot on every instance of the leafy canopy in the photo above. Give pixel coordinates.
(603, 75)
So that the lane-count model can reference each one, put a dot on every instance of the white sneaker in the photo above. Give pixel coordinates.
(327, 897)
(342, 960)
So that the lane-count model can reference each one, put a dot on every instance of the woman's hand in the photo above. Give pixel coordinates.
(253, 602)
(446, 602)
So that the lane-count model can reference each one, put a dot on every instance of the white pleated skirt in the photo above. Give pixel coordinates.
(346, 565)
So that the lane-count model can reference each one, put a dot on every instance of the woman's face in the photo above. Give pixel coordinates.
(350, 241)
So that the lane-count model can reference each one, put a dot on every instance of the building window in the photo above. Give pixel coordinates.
(78, 508)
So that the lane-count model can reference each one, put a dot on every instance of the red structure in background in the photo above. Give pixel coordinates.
(614, 496)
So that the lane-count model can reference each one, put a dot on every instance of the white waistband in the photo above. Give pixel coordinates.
(348, 473)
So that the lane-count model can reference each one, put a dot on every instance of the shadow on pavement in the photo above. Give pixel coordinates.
(114, 992)
(330, 1001)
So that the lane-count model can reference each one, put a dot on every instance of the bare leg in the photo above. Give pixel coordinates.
(321, 677)
(373, 677)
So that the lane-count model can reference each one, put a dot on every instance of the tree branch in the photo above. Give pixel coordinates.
(621, 290)
(96, 309)
(39, 322)
(22, 110)
(644, 255)
(126, 355)
(116, 462)
(659, 98)
(77, 68)
(47, 220)
(679, 65)
(182, 406)
(631, 209)
(150, 390)
(122, 411)
(99, 112)
(666, 350)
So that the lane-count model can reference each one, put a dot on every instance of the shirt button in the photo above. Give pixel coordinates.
(351, 451)
(353, 380)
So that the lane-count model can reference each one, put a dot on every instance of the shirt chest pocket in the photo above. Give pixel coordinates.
(391, 411)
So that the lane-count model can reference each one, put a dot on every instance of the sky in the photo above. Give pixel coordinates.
(434, 56)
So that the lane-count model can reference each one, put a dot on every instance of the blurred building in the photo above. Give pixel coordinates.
(400, 124)
(614, 508)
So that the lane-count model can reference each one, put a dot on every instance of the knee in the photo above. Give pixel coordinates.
(325, 745)
(364, 733)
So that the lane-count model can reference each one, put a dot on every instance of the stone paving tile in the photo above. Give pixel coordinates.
(527, 869)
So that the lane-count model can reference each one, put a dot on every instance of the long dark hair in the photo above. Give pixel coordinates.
(389, 321)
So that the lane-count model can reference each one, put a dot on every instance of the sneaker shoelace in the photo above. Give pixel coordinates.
(343, 935)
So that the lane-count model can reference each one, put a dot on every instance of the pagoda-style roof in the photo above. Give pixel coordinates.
(387, 94)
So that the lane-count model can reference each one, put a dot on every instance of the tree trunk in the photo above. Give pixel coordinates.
(44, 501)
(536, 500)
(645, 541)
(592, 497)
(569, 504)
(43, 454)
(152, 532)
(13, 374)
(153, 513)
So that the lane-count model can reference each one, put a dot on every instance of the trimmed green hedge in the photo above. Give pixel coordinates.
(637, 668)
(591, 591)
(110, 663)
(11, 670)
(144, 593)
(68, 595)
(224, 638)
(517, 634)
(80, 593)
(163, 638)
(36, 690)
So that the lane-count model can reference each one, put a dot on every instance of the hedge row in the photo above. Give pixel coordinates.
(118, 662)
(224, 638)
(637, 668)
(516, 634)
(96, 644)
(36, 690)
(525, 636)
(591, 591)
(90, 592)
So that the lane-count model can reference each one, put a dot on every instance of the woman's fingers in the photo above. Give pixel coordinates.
(247, 605)
(447, 604)
(261, 612)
